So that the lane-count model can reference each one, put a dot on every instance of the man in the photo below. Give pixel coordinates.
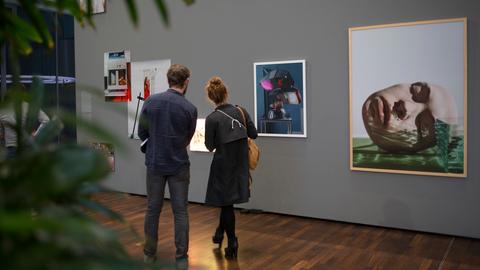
(168, 121)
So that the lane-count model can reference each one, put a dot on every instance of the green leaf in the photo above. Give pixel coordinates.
(18, 33)
(51, 174)
(34, 103)
(89, 7)
(90, 189)
(98, 208)
(30, 7)
(75, 164)
(162, 8)
(47, 133)
(132, 11)
(189, 2)
(21, 28)
(21, 45)
(113, 263)
(22, 222)
(45, 190)
(72, 7)
(97, 131)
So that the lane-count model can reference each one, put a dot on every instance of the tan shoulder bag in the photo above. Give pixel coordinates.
(253, 150)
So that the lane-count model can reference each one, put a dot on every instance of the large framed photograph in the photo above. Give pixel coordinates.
(408, 98)
(117, 76)
(280, 98)
(148, 78)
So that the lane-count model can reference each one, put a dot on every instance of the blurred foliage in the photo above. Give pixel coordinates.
(46, 206)
(20, 33)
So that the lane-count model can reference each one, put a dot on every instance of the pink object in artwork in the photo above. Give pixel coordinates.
(267, 85)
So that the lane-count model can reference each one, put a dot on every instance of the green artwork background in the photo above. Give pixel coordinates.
(443, 158)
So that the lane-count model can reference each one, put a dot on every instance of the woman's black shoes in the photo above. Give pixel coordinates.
(231, 252)
(217, 238)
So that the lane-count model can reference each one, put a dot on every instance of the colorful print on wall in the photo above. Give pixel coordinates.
(117, 71)
(107, 150)
(408, 92)
(280, 98)
(98, 6)
(197, 143)
(148, 78)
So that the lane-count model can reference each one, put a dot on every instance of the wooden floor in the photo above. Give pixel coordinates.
(270, 241)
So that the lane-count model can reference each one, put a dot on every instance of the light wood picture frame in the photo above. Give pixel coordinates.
(408, 98)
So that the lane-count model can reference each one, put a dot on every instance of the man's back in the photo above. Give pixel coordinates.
(168, 120)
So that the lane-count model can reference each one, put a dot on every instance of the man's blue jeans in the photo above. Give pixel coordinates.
(178, 187)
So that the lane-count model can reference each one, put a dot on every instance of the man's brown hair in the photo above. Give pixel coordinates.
(177, 75)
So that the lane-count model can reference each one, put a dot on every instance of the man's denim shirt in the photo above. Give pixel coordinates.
(168, 120)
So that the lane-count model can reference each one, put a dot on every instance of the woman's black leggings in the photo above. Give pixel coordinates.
(227, 221)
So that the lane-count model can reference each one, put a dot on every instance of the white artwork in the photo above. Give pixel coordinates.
(148, 78)
(198, 140)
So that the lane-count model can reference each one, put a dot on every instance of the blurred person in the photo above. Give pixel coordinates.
(8, 121)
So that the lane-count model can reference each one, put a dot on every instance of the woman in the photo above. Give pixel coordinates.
(226, 132)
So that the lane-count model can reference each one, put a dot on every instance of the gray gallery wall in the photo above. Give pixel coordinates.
(306, 177)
